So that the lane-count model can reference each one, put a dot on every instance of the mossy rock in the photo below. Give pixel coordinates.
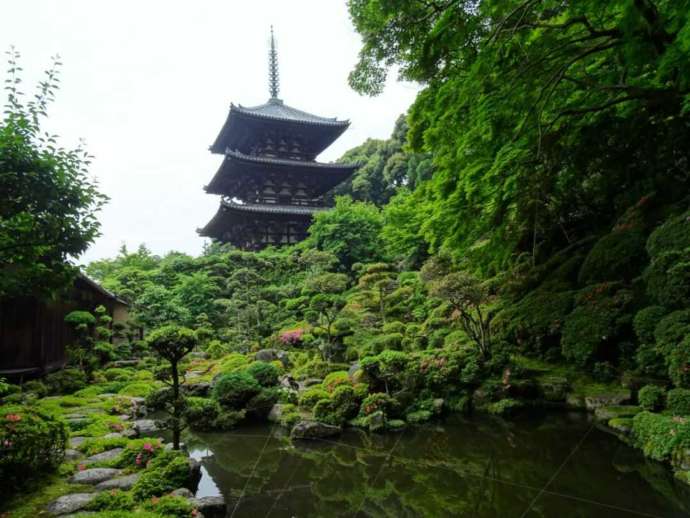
(621, 425)
(553, 388)
(419, 417)
(607, 413)
(395, 425)
(505, 407)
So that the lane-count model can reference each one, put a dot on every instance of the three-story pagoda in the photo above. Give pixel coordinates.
(270, 182)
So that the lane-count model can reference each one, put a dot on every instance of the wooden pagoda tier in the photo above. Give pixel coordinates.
(260, 179)
(274, 129)
(269, 178)
(253, 226)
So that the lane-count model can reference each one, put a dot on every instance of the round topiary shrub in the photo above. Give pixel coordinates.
(674, 234)
(645, 322)
(233, 390)
(263, 372)
(678, 402)
(618, 256)
(31, 443)
(651, 397)
(679, 363)
(311, 396)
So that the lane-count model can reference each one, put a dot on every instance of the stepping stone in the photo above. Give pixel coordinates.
(183, 492)
(76, 441)
(69, 503)
(113, 435)
(145, 427)
(125, 482)
(106, 455)
(94, 476)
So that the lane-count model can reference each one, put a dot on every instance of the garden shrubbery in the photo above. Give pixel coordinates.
(31, 443)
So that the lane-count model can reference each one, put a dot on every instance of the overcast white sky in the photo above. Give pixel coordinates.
(147, 85)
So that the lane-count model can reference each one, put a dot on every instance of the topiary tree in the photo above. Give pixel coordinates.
(172, 343)
(81, 351)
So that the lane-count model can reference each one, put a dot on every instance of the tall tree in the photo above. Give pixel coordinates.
(48, 202)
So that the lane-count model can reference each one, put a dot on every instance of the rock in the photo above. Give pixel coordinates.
(200, 389)
(113, 435)
(622, 425)
(396, 425)
(124, 417)
(122, 363)
(313, 430)
(94, 475)
(288, 382)
(606, 413)
(145, 427)
(276, 413)
(418, 417)
(201, 355)
(76, 441)
(169, 446)
(598, 401)
(183, 492)
(575, 401)
(269, 355)
(69, 503)
(73, 417)
(125, 482)
(376, 421)
(129, 433)
(71, 454)
(553, 388)
(101, 457)
(682, 459)
(210, 506)
(353, 370)
(438, 404)
(107, 395)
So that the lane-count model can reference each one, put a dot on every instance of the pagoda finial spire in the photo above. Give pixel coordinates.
(273, 79)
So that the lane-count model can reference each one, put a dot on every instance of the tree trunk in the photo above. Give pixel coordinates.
(176, 406)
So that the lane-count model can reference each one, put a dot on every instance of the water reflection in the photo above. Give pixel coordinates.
(477, 467)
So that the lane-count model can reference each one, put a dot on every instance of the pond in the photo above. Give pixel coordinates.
(536, 466)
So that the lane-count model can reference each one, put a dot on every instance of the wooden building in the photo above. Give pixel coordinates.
(269, 180)
(34, 335)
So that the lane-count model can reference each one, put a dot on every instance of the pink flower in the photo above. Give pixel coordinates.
(13, 418)
(148, 446)
(81, 467)
(292, 337)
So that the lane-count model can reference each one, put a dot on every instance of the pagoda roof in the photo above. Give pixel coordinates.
(230, 210)
(237, 164)
(244, 123)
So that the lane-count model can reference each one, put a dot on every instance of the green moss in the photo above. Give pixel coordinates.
(112, 501)
(170, 506)
(311, 396)
(137, 389)
(167, 472)
(621, 424)
(618, 256)
(418, 416)
(505, 407)
(34, 498)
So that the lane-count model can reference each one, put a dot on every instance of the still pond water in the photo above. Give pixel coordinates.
(558, 465)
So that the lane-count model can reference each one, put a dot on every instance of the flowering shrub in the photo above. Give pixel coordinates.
(31, 442)
(139, 453)
(291, 337)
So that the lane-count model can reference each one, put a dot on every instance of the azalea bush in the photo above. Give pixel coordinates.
(31, 443)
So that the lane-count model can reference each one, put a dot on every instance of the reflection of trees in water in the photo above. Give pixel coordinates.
(460, 470)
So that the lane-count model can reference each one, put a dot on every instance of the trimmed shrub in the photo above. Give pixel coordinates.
(659, 436)
(651, 397)
(335, 379)
(535, 322)
(645, 322)
(379, 401)
(339, 408)
(668, 279)
(201, 413)
(673, 234)
(31, 443)
(679, 364)
(592, 329)
(618, 256)
(235, 389)
(678, 402)
(311, 396)
(65, 381)
(265, 373)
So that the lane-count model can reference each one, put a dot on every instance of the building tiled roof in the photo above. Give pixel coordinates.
(277, 110)
(272, 208)
(310, 164)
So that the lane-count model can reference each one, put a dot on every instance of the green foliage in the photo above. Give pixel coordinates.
(350, 231)
(379, 402)
(112, 501)
(233, 390)
(645, 322)
(599, 319)
(311, 396)
(265, 373)
(618, 256)
(673, 234)
(659, 436)
(170, 506)
(137, 389)
(172, 342)
(678, 402)
(48, 200)
(340, 407)
(167, 472)
(65, 381)
(32, 443)
(651, 397)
